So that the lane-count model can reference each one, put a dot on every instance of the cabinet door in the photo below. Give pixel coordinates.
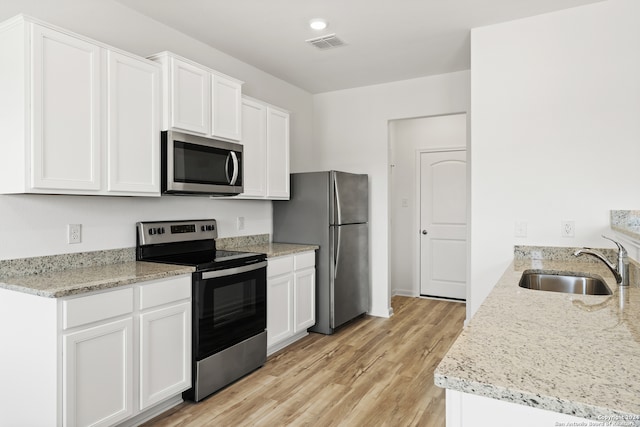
(254, 140)
(279, 310)
(66, 116)
(97, 377)
(165, 353)
(190, 97)
(304, 299)
(277, 154)
(133, 125)
(226, 121)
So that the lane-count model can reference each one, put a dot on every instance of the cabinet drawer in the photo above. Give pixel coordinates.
(280, 265)
(165, 291)
(93, 308)
(305, 260)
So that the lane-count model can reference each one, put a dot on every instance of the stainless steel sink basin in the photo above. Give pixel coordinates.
(573, 283)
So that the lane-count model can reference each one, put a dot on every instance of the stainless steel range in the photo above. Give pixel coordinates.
(229, 300)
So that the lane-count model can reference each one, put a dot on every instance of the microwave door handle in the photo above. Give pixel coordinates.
(226, 168)
(234, 178)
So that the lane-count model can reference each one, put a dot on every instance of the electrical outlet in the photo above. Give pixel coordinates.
(567, 229)
(74, 233)
(240, 223)
(520, 229)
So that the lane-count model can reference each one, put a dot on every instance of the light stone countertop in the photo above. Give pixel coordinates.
(573, 354)
(260, 243)
(274, 249)
(56, 284)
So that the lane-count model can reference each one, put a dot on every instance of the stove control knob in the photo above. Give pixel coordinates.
(161, 230)
(203, 228)
(152, 231)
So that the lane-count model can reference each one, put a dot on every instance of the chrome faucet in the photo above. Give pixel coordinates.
(621, 271)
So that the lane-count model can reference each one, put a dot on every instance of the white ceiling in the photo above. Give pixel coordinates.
(386, 40)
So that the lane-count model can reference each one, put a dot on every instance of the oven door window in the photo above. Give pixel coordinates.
(230, 309)
(199, 164)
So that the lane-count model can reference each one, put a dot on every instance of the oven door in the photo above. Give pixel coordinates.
(230, 306)
(197, 165)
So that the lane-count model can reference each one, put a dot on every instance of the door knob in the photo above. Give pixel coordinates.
(424, 232)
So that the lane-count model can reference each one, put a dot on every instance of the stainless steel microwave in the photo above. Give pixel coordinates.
(198, 165)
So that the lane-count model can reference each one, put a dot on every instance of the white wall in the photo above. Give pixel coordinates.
(555, 131)
(406, 138)
(352, 134)
(36, 225)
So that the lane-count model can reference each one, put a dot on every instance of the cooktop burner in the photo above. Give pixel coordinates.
(189, 243)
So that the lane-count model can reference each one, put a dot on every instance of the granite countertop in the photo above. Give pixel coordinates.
(274, 249)
(574, 354)
(56, 284)
(627, 223)
(261, 243)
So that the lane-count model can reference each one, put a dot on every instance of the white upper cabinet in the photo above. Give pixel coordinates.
(81, 117)
(277, 153)
(198, 99)
(189, 97)
(66, 108)
(265, 137)
(133, 148)
(226, 114)
(254, 155)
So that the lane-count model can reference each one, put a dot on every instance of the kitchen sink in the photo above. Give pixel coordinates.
(573, 283)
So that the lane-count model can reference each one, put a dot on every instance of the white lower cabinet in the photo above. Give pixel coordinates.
(97, 381)
(165, 353)
(290, 298)
(102, 359)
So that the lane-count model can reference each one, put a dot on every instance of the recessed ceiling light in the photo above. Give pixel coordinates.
(318, 24)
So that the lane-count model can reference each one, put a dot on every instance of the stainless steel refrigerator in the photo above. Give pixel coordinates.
(331, 209)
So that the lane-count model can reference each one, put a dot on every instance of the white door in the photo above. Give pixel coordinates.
(443, 224)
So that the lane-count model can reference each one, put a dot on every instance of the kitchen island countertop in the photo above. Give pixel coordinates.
(568, 353)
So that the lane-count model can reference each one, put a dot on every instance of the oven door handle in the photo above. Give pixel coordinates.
(232, 271)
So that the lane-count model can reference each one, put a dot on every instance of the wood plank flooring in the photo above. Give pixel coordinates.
(372, 372)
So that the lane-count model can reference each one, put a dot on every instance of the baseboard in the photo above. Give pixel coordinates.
(153, 412)
(279, 346)
(404, 293)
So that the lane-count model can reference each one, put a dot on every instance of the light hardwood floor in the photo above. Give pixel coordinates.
(372, 372)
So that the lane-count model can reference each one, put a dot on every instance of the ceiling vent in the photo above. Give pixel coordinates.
(326, 42)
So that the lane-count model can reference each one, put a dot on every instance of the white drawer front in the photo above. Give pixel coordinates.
(305, 260)
(165, 291)
(280, 265)
(93, 308)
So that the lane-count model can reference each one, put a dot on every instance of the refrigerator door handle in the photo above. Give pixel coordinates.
(338, 215)
(336, 252)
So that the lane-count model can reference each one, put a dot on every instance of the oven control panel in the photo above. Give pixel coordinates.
(155, 232)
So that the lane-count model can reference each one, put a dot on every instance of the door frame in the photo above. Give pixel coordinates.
(418, 206)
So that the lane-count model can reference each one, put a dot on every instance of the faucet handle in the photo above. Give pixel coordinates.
(622, 251)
